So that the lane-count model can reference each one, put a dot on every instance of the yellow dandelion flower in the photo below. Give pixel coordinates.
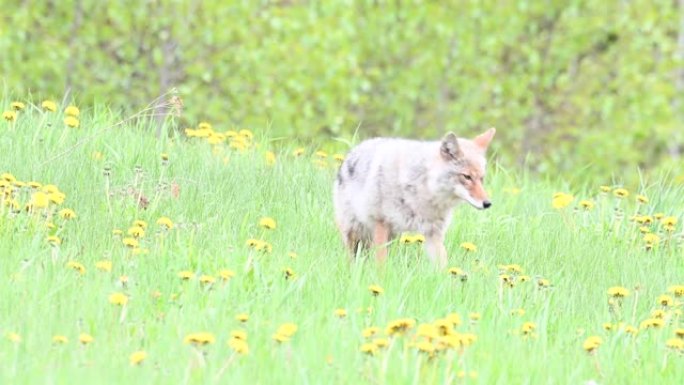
(226, 274)
(287, 330)
(49, 105)
(239, 334)
(165, 222)
(406, 239)
(618, 292)
(341, 313)
(427, 331)
(651, 239)
(474, 316)
(677, 290)
(67, 214)
(376, 290)
(607, 326)
(207, 279)
(17, 106)
(8, 177)
(199, 339)
(76, 266)
(561, 200)
(270, 158)
(669, 221)
(658, 313)
(652, 323)
(136, 232)
(140, 223)
(138, 357)
(543, 283)
(631, 330)
(642, 199)
(425, 347)
(418, 238)
(130, 242)
(339, 158)
(186, 275)
(321, 154)
(265, 247)
(644, 230)
(118, 299)
(54, 240)
(621, 193)
(528, 327)
(71, 121)
(39, 200)
(56, 197)
(239, 346)
(104, 265)
(370, 331)
(369, 348)
(117, 232)
(289, 273)
(72, 111)
(292, 255)
(679, 332)
(205, 126)
(586, 204)
(605, 189)
(267, 223)
(381, 342)
(298, 152)
(468, 246)
(14, 337)
(519, 312)
(457, 273)
(59, 339)
(665, 300)
(247, 134)
(400, 326)
(444, 327)
(85, 338)
(242, 317)
(9, 116)
(592, 343)
(675, 344)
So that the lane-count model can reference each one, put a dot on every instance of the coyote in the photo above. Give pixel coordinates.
(387, 186)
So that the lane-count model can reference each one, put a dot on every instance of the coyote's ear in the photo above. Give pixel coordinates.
(450, 149)
(485, 138)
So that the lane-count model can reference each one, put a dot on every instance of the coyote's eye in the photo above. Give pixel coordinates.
(467, 177)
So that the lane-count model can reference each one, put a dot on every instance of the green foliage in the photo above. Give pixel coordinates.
(567, 83)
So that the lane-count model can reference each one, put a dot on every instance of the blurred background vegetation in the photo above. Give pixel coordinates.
(584, 86)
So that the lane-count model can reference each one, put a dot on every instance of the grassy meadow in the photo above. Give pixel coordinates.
(210, 256)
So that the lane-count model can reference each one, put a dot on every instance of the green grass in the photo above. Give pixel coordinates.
(217, 209)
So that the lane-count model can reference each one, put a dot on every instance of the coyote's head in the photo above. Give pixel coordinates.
(462, 168)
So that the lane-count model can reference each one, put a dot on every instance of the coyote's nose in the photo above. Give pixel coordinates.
(486, 204)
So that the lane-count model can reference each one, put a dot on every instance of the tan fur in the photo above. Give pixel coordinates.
(389, 186)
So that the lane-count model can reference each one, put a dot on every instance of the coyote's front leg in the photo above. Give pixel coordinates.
(434, 246)
(380, 239)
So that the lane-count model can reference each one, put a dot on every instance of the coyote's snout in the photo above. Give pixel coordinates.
(389, 186)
